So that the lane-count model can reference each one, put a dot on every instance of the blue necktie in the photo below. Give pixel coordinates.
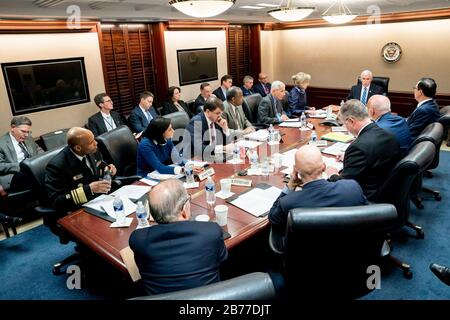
(150, 117)
(364, 96)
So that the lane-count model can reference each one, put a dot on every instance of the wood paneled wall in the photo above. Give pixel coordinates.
(238, 38)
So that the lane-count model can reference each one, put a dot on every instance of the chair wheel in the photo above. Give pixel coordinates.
(438, 197)
(408, 274)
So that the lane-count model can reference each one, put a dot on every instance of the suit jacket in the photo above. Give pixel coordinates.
(315, 194)
(8, 158)
(355, 91)
(152, 156)
(421, 117)
(398, 127)
(259, 88)
(198, 143)
(232, 121)
(138, 121)
(266, 113)
(199, 103)
(370, 158)
(297, 102)
(169, 107)
(178, 255)
(67, 179)
(97, 125)
(247, 92)
(219, 94)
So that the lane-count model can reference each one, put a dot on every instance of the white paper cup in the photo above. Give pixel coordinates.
(277, 160)
(202, 217)
(225, 186)
(221, 214)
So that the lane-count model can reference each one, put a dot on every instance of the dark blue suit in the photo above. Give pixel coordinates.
(355, 91)
(297, 102)
(315, 194)
(421, 117)
(178, 255)
(138, 121)
(398, 127)
(219, 94)
(258, 88)
(246, 92)
(152, 156)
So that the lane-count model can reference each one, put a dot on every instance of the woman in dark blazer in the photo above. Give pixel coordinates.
(297, 96)
(156, 151)
(174, 104)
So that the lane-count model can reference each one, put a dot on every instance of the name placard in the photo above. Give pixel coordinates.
(205, 174)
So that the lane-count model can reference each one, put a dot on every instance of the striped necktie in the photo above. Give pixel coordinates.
(364, 96)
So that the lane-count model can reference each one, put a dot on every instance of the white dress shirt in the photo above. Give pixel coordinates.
(19, 153)
(109, 121)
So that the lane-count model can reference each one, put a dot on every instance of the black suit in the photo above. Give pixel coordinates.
(199, 103)
(370, 158)
(97, 124)
(219, 94)
(259, 88)
(355, 91)
(178, 255)
(169, 107)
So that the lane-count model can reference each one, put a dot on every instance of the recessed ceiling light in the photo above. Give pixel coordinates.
(251, 7)
(267, 5)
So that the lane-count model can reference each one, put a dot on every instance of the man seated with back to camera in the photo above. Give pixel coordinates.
(316, 192)
(371, 156)
(177, 253)
(72, 176)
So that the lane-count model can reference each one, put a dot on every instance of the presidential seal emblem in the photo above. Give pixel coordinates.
(391, 52)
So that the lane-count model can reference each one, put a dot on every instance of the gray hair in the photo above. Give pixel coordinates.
(300, 78)
(247, 79)
(166, 201)
(277, 84)
(380, 103)
(355, 109)
(20, 120)
(366, 72)
(233, 92)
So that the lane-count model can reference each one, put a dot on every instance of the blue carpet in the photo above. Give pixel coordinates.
(26, 260)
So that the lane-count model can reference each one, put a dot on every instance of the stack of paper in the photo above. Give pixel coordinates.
(155, 175)
(336, 148)
(260, 135)
(104, 203)
(248, 144)
(290, 124)
(132, 192)
(257, 201)
(337, 136)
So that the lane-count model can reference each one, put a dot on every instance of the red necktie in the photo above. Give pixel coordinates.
(213, 133)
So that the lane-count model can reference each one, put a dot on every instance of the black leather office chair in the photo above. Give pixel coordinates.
(434, 133)
(252, 286)
(191, 105)
(35, 168)
(329, 250)
(9, 222)
(250, 106)
(119, 147)
(55, 139)
(180, 121)
(445, 121)
(383, 82)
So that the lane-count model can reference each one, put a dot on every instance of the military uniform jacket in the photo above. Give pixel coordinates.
(67, 179)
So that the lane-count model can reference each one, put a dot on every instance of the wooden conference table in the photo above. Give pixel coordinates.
(96, 234)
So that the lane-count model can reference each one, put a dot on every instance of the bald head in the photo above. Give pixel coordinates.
(262, 77)
(167, 202)
(378, 105)
(309, 163)
(81, 141)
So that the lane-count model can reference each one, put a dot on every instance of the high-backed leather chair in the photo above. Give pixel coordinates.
(383, 82)
(445, 121)
(434, 133)
(35, 168)
(119, 147)
(252, 286)
(179, 119)
(250, 106)
(330, 250)
(55, 139)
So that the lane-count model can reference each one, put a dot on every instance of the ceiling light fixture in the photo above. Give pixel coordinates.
(202, 8)
(290, 13)
(339, 15)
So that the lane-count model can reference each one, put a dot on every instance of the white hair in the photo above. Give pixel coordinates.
(277, 84)
(366, 72)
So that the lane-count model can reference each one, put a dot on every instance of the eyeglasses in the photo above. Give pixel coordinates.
(187, 200)
(25, 131)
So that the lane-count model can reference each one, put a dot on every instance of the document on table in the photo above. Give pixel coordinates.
(291, 124)
(260, 135)
(150, 182)
(132, 192)
(336, 148)
(248, 144)
(257, 201)
(155, 175)
(104, 203)
(332, 162)
(288, 159)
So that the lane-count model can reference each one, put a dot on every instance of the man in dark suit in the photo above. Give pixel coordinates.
(373, 154)
(427, 110)
(262, 86)
(15, 146)
(365, 89)
(106, 119)
(379, 109)
(234, 114)
(247, 88)
(221, 92)
(205, 93)
(270, 109)
(315, 192)
(206, 130)
(72, 176)
(141, 115)
(177, 253)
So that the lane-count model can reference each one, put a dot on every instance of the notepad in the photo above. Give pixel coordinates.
(337, 137)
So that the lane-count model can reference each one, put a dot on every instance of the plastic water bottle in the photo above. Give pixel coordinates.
(118, 209)
(210, 191)
(329, 112)
(303, 120)
(236, 152)
(265, 167)
(107, 175)
(271, 130)
(313, 138)
(141, 215)
(254, 160)
(189, 172)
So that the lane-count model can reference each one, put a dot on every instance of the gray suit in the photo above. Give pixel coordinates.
(232, 120)
(8, 158)
(266, 113)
